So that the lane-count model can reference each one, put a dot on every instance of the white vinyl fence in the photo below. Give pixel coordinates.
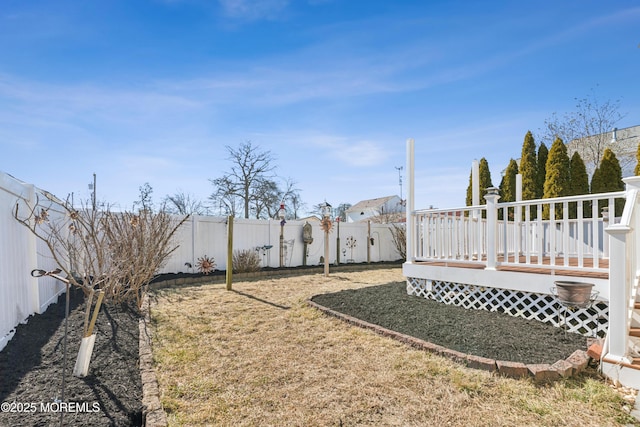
(205, 235)
(22, 295)
(20, 252)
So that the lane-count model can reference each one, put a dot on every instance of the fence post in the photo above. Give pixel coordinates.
(410, 228)
(32, 262)
(476, 215)
(369, 242)
(491, 197)
(229, 251)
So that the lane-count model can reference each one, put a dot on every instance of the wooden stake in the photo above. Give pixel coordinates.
(87, 312)
(96, 310)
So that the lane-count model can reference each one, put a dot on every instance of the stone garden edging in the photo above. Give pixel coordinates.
(269, 274)
(571, 366)
(152, 412)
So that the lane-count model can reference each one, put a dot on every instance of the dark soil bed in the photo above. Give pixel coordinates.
(31, 367)
(493, 335)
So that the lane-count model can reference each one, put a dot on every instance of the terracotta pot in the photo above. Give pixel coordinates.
(574, 293)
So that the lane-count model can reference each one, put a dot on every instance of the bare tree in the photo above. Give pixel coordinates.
(182, 203)
(265, 199)
(145, 200)
(271, 195)
(250, 187)
(588, 131)
(296, 204)
(250, 167)
(225, 198)
(290, 195)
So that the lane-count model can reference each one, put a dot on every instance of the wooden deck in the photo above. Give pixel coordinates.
(534, 267)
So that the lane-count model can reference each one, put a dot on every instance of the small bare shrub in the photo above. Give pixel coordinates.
(399, 238)
(117, 253)
(245, 261)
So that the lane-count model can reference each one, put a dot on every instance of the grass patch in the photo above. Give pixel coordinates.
(262, 357)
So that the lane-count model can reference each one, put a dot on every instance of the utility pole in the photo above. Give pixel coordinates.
(92, 187)
(399, 169)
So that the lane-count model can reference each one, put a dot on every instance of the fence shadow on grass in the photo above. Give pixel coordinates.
(282, 307)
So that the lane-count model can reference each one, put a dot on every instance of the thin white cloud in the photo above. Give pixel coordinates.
(82, 98)
(352, 154)
(253, 10)
(361, 154)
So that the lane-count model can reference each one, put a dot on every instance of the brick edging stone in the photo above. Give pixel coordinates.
(153, 414)
(572, 366)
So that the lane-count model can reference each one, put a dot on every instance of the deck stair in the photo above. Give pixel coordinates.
(634, 331)
(634, 328)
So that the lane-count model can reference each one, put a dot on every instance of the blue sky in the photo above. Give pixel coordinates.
(153, 91)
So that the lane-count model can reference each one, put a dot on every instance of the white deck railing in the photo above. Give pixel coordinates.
(543, 232)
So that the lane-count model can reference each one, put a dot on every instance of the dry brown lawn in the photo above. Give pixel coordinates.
(259, 356)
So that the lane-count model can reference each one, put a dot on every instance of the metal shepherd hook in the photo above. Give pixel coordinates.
(54, 273)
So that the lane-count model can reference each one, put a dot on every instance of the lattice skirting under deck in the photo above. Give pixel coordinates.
(545, 308)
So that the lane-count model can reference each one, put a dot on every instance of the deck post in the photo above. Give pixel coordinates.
(410, 219)
(618, 292)
(517, 220)
(492, 197)
(622, 270)
(476, 216)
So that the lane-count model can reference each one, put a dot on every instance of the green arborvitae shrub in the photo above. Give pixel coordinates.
(543, 155)
(637, 169)
(485, 182)
(245, 261)
(508, 187)
(529, 171)
(469, 198)
(557, 179)
(485, 179)
(579, 185)
(528, 167)
(508, 184)
(607, 178)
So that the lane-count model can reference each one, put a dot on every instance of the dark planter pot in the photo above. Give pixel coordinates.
(575, 294)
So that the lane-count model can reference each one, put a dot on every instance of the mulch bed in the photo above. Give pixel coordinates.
(481, 333)
(31, 368)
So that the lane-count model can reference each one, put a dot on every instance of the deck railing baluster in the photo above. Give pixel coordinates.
(565, 233)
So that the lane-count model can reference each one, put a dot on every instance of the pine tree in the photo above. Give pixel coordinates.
(557, 178)
(543, 154)
(607, 178)
(637, 170)
(579, 185)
